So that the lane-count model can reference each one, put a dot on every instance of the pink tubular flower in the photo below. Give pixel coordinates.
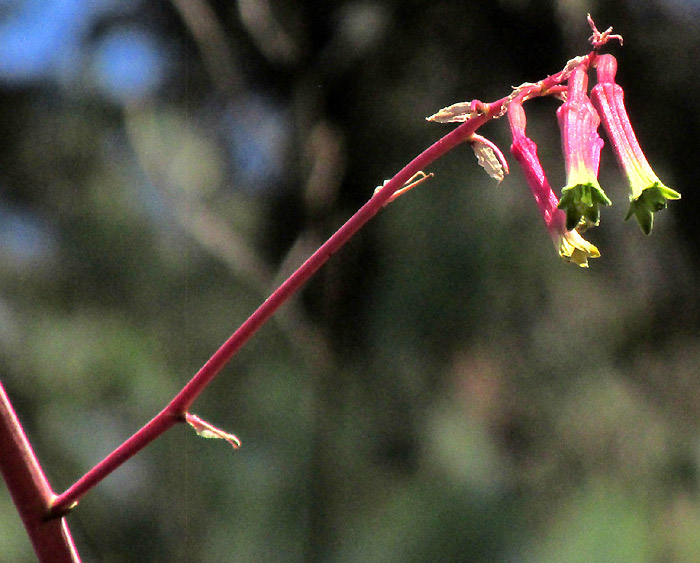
(647, 194)
(572, 247)
(578, 121)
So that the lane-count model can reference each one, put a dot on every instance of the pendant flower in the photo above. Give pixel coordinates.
(578, 121)
(570, 245)
(647, 193)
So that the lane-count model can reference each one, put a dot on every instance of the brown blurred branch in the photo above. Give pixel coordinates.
(200, 19)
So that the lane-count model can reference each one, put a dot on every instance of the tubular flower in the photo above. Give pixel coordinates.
(647, 194)
(570, 245)
(578, 121)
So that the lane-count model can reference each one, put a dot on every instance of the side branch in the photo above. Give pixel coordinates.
(177, 408)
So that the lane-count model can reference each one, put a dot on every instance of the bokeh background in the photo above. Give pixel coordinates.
(445, 389)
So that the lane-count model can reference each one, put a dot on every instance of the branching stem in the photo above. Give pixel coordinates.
(175, 411)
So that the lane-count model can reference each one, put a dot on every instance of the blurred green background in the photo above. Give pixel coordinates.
(445, 389)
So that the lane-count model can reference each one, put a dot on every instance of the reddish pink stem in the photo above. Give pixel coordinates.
(30, 490)
(175, 411)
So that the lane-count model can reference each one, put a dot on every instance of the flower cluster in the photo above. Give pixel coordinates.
(579, 117)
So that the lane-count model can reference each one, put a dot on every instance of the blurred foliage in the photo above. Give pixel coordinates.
(445, 389)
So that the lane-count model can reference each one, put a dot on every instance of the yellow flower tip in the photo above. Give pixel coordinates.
(573, 248)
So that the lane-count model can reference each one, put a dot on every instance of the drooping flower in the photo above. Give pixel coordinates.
(570, 245)
(578, 121)
(647, 193)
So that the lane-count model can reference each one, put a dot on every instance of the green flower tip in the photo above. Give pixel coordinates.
(582, 205)
(651, 200)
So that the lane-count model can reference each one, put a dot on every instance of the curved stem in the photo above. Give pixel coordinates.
(174, 412)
